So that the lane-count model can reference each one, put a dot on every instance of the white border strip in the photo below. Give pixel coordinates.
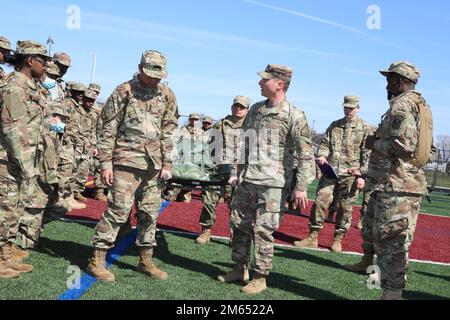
(276, 244)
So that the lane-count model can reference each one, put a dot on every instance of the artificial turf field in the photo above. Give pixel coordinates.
(297, 274)
(193, 269)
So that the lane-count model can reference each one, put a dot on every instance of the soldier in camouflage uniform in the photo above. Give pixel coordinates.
(22, 120)
(86, 142)
(400, 147)
(135, 148)
(343, 148)
(95, 161)
(191, 147)
(266, 175)
(72, 134)
(5, 50)
(229, 130)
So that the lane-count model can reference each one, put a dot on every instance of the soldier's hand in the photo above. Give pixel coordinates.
(370, 141)
(321, 160)
(300, 199)
(360, 183)
(166, 174)
(233, 181)
(95, 152)
(356, 172)
(107, 177)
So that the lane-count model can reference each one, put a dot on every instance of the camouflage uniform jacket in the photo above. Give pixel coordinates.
(343, 145)
(229, 130)
(138, 124)
(22, 120)
(289, 126)
(86, 122)
(96, 112)
(2, 74)
(390, 167)
(72, 132)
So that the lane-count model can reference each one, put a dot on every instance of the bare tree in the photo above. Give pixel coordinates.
(443, 146)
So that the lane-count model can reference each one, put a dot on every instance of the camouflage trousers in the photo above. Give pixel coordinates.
(367, 223)
(31, 220)
(210, 201)
(80, 173)
(346, 193)
(130, 186)
(65, 169)
(9, 211)
(256, 212)
(95, 170)
(394, 223)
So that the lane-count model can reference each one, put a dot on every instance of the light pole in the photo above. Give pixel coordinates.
(50, 42)
(93, 66)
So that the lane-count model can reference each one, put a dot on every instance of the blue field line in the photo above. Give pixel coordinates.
(87, 281)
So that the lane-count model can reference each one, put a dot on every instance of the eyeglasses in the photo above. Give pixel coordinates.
(40, 60)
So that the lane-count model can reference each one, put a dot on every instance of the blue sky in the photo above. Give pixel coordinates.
(215, 48)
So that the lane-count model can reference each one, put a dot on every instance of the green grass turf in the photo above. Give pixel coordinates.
(193, 270)
(440, 203)
(442, 180)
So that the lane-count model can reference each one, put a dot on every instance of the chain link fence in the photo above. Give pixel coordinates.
(438, 171)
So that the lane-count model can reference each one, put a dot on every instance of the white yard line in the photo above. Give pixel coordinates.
(276, 245)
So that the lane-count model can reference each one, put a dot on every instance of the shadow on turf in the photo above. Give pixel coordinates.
(163, 253)
(304, 256)
(417, 295)
(66, 250)
(291, 284)
(428, 274)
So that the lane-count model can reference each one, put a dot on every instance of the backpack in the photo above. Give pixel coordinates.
(424, 149)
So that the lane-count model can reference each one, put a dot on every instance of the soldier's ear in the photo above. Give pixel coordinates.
(140, 68)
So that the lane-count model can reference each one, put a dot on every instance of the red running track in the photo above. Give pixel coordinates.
(431, 241)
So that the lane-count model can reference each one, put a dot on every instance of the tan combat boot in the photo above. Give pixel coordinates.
(392, 295)
(337, 246)
(239, 273)
(100, 195)
(203, 238)
(18, 254)
(73, 204)
(97, 266)
(6, 273)
(7, 258)
(311, 242)
(146, 265)
(79, 197)
(361, 267)
(257, 285)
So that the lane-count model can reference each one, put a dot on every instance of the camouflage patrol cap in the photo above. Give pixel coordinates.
(78, 87)
(405, 69)
(207, 119)
(276, 71)
(52, 68)
(69, 85)
(91, 94)
(195, 116)
(59, 110)
(5, 44)
(62, 58)
(95, 87)
(351, 102)
(154, 64)
(31, 47)
(242, 100)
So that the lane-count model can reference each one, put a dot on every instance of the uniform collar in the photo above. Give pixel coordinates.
(30, 82)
